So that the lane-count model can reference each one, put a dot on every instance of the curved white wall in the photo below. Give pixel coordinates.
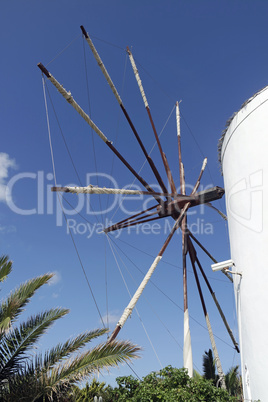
(244, 157)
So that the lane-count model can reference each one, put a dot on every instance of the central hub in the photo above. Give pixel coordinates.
(173, 208)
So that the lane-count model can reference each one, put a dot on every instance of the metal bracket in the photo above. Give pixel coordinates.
(233, 273)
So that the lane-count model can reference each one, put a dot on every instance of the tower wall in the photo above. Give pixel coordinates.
(244, 159)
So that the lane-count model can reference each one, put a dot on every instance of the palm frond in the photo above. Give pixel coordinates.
(37, 382)
(61, 351)
(233, 381)
(79, 368)
(18, 341)
(5, 267)
(14, 304)
(209, 365)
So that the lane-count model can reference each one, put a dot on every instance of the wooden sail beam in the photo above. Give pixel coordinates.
(187, 344)
(214, 297)
(133, 216)
(217, 210)
(192, 254)
(137, 219)
(67, 96)
(133, 223)
(166, 208)
(104, 190)
(128, 310)
(208, 254)
(165, 162)
(179, 142)
(119, 100)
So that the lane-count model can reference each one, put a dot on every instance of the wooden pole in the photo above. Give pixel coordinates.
(215, 299)
(187, 345)
(165, 162)
(128, 310)
(67, 96)
(104, 190)
(192, 254)
(208, 254)
(119, 100)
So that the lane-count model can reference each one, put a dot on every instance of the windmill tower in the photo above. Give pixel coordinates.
(243, 155)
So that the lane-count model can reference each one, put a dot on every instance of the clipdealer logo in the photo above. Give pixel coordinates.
(42, 201)
(245, 202)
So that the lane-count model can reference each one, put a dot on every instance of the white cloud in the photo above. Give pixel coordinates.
(5, 164)
(113, 318)
(56, 278)
(7, 229)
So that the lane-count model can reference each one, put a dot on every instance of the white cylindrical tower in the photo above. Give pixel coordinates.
(244, 158)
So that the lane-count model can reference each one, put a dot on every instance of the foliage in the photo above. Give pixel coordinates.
(170, 385)
(233, 382)
(96, 388)
(209, 367)
(49, 376)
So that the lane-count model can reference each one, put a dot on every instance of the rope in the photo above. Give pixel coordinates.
(129, 294)
(145, 160)
(148, 337)
(65, 143)
(63, 50)
(122, 276)
(117, 126)
(145, 296)
(91, 130)
(102, 190)
(108, 43)
(68, 151)
(66, 220)
(169, 263)
(161, 291)
(153, 79)
(49, 132)
(106, 285)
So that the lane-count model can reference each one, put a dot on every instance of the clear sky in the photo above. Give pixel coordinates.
(211, 55)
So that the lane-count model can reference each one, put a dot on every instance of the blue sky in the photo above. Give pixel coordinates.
(210, 55)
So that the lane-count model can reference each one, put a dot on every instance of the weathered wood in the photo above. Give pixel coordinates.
(115, 92)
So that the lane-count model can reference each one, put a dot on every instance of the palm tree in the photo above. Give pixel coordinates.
(233, 382)
(48, 376)
(209, 368)
(94, 389)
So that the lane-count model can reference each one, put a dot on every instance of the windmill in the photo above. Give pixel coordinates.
(168, 204)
